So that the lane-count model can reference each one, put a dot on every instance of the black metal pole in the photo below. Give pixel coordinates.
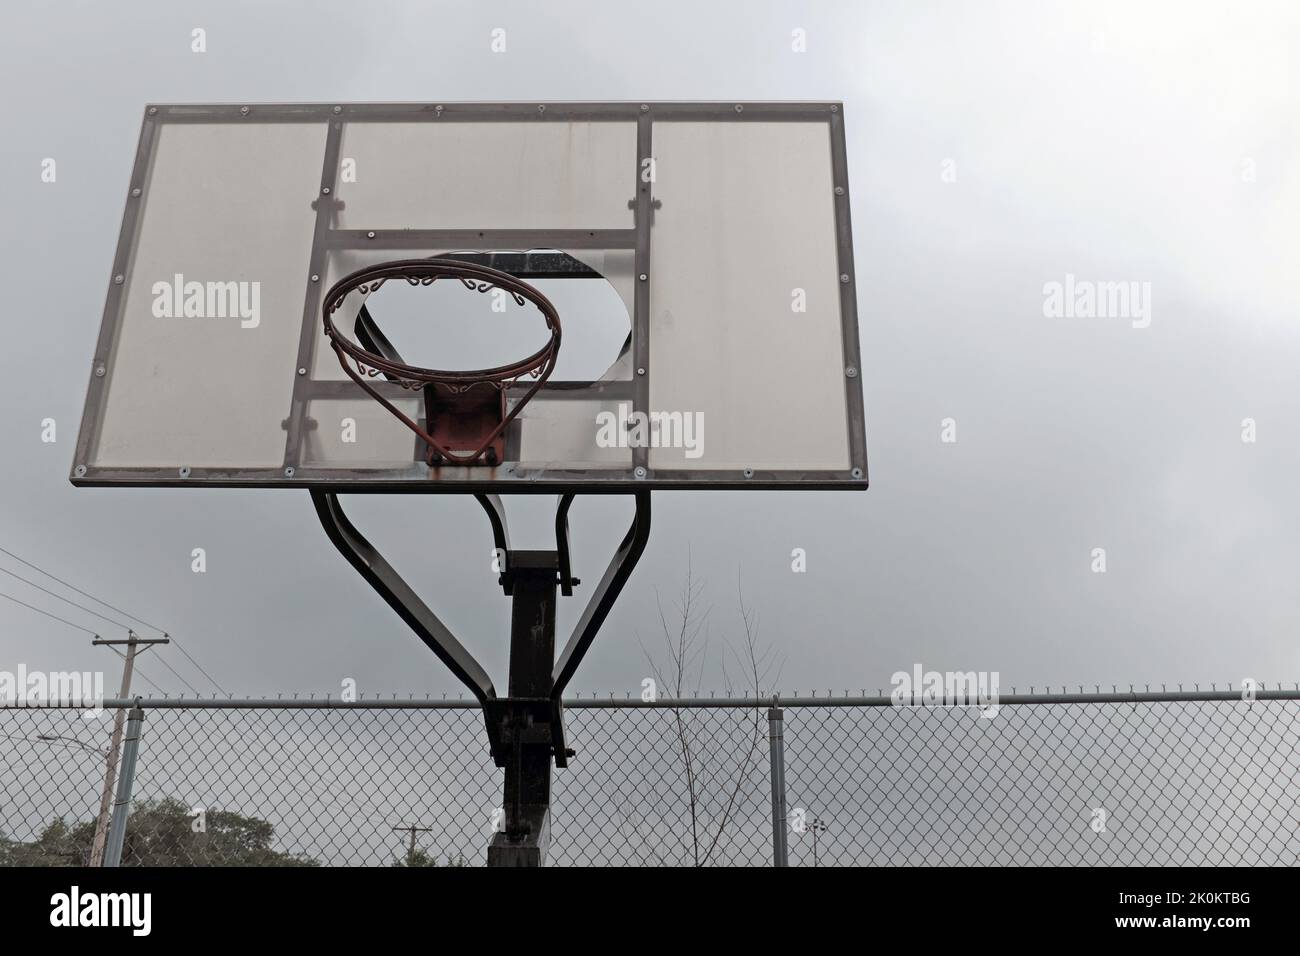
(525, 716)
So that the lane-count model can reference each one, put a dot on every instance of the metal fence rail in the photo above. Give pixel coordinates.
(1053, 779)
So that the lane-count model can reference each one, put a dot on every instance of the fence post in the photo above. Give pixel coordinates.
(125, 780)
(776, 745)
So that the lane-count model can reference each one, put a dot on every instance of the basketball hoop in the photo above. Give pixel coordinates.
(465, 411)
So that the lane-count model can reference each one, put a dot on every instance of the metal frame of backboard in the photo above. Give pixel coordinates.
(639, 476)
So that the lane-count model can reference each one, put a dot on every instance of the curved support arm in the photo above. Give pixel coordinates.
(496, 512)
(370, 336)
(562, 545)
(602, 600)
(379, 574)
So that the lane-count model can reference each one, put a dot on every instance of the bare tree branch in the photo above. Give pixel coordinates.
(686, 644)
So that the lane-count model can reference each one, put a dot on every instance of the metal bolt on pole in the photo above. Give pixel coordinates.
(776, 744)
(126, 779)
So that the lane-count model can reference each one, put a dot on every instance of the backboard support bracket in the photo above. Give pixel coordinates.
(526, 727)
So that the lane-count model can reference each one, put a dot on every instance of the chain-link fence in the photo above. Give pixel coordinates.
(1096, 780)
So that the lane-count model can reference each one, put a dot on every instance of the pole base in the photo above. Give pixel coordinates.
(528, 850)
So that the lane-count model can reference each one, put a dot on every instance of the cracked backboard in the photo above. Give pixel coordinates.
(699, 256)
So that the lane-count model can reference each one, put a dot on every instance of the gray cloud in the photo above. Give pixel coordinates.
(1097, 140)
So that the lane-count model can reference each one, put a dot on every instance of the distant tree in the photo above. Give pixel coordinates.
(58, 845)
(160, 833)
(420, 858)
(415, 858)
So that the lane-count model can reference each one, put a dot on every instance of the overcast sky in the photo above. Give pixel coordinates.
(993, 149)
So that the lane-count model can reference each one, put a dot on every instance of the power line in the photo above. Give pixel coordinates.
(194, 689)
(81, 592)
(145, 677)
(32, 607)
(177, 645)
(70, 742)
(60, 597)
(141, 674)
(86, 630)
(96, 614)
(180, 678)
(111, 607)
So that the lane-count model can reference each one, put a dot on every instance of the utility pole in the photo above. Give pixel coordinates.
(133, 643)
(413, 830)
(817, 826)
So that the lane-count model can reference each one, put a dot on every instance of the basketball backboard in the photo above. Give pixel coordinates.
(699, 256)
